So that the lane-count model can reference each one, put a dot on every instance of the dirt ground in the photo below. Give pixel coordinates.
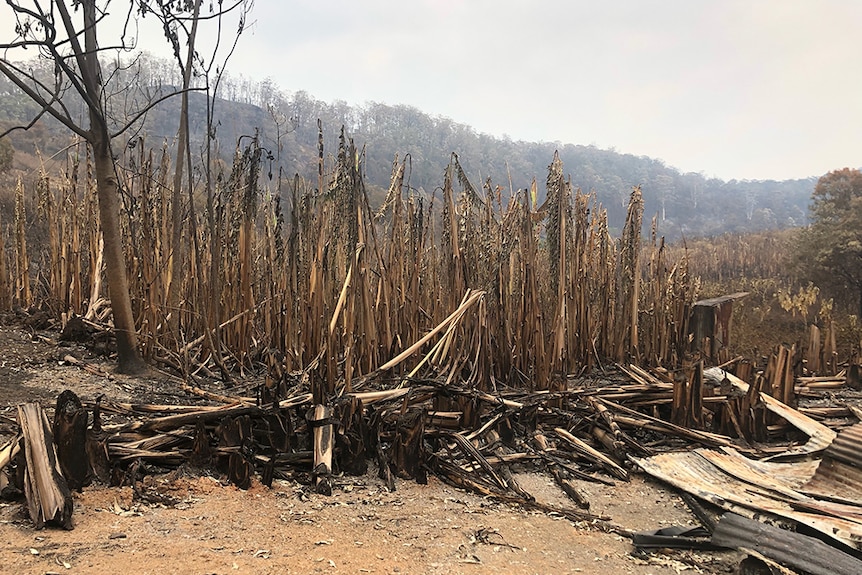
(211, 527)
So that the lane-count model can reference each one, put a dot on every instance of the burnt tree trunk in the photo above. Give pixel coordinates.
(128, 356)
(107, 189)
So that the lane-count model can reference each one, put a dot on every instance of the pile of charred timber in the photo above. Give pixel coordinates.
(593, 430)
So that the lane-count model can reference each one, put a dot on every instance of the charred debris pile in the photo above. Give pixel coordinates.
(725, 444)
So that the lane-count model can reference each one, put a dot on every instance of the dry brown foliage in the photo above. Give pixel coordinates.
(311, 281)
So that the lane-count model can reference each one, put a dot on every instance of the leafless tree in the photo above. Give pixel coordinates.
(65, 32)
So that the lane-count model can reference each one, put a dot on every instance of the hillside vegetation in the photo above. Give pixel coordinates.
(687, 204)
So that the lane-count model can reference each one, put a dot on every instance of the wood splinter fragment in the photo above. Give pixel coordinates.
(320, 420)
(569, 487)
(49, 498)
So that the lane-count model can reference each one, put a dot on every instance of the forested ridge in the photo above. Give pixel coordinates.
(686, 204)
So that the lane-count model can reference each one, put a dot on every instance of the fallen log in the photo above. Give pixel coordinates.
(7, 455)
(504, 470)
(614, 447)
(88, 367)
(9, 450)
(174, 421)
(150, 408)
(371, 397)
(568, 487)
(457, 477)
(607, 416)
(638, 419)
(596, 456)
(472, 454)
(549, 455)
(559, 457)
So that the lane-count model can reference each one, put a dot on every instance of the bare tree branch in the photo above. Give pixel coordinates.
(46, 106)
(91, 84)
(56, 93)
(149, 107)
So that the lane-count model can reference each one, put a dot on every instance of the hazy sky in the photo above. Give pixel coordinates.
(752, 89)
(748, 89)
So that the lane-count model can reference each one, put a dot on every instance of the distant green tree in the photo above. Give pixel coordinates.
(7, 154)
(830, 250)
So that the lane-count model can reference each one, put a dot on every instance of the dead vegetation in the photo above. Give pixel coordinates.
(309, 279)
(459, 333)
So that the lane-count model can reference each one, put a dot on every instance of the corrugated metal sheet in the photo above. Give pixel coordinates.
(721, 299)
(847, 447)
(773, 475)
(735, 483)
(835, 480)
(755, 562)
(795, 549)
(839, 476)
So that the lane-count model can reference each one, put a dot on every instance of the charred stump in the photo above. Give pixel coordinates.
(350, 439)
(201, 455)
(407, 458)
(235, 439)
(70, 436)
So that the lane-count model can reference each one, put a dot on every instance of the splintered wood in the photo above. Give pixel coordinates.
(323, 442)
(49, 498)
(586, 430)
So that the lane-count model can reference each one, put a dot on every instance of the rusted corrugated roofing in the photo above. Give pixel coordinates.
(735, 483)
(782, 478)
(847, 447)
(795, 549)
(839, 476)
(794, 476)
(835, 480)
